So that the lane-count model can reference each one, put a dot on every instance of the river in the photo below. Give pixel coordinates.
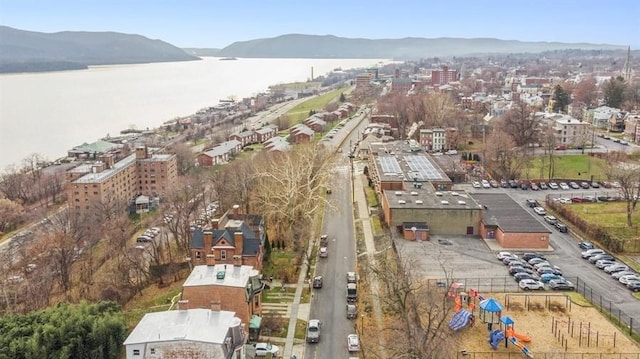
(49, 113)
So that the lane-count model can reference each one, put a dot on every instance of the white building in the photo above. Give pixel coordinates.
(571, 132)
(187, 333)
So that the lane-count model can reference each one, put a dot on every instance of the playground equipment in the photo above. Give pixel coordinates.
(461, 319)
(514, 337)
(495, 337)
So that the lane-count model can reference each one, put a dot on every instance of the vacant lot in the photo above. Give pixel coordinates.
(578, 167)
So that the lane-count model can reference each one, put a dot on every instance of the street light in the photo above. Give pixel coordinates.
(353, 194)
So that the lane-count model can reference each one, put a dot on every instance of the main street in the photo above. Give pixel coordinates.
(328, 304)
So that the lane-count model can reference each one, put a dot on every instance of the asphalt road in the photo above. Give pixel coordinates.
(329, 302)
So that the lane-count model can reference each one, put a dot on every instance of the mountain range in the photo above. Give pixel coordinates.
(28, 51)
(329, 46)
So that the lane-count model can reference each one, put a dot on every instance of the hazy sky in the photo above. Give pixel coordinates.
(218, 23)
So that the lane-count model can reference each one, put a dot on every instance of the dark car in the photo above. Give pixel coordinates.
(520, 276)
(532, 203)
(586, 245)
(559, 284)
(524, 186)
(352, 311)
(529, 256)
(317, 281)
(518, 269)
(634, 286)
(561, 227)
(504, 184)
(513, 184)
(595, 184)
(585, 185)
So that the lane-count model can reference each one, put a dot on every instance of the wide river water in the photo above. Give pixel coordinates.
(49, 113)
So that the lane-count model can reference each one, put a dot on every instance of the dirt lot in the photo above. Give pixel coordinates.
(534, 316)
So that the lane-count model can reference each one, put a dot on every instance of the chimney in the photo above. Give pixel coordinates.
(215, 305)
(236, 209)
(215, 222)
(183, 304)
(211, 260)
(207, 240)
(239, 239)
(237, 260)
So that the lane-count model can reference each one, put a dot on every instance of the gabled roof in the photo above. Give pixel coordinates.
(244, 134)
(266, 129)
(99, 146)
(224, 147)
(302, 128)
(197, 325)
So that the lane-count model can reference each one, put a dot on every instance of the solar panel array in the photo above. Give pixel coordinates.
(389, 164)
(422, 168)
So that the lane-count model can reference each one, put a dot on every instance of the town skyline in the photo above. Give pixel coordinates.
(195, 23)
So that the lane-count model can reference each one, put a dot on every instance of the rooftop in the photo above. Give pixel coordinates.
(107, 173)
(201, 325)
(406, 161)
(428, 198)
(234, 276)
(504, 212)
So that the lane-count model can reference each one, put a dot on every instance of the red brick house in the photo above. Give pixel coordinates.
(300, 133)
(316, 124)
(266, 133)
(220, 154)
(246, 138)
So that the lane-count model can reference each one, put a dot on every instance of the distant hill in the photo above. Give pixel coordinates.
(329, 46)
(196, 51)
(27, 51)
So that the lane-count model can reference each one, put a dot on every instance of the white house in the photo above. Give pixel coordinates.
(187, 333)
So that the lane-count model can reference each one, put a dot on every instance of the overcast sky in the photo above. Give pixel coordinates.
(218, 23)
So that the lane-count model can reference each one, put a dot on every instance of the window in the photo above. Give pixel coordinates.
(223, 255)
(152, 351)
(198, 256)
(136, 351)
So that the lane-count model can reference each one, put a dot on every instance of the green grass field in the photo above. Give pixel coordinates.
(612, 215)
(300, 112)
(577, 167)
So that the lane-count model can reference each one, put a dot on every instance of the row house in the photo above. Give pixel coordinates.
(300, 133)
(245, 138)
(220, 154)
(438, 139)
(327, 116)
(599, 116)
(632, 127)
(315, 123)
(571, 132)
(277, 144)
(266, 133)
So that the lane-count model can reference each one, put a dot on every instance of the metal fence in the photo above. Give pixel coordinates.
(500, 355)
(628, 323)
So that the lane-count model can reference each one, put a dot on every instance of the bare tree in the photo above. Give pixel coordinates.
(183, 203)
(11, 215)
(396, 104)
(235, 183)
(627, 173)
(437, 106)
(419, 311)
(548, 143)
(292, 189)
(184, 157)
(520, 125)
(502, 157)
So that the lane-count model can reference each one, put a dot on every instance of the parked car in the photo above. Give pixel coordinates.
(617, 267)
(617, 275)
(476, 184)
(574, 185)
(531, 284)
(629, 278)
(351, 277)
(543, 186)
(524, 186)
(313, 331)
(519, 269)
(263, 348)
(561, 227)
(586, 246)
(144, 239)
(598, 257)
(503, 255)
(550, 219)
(553, 185)
(548, 270)
(634, 286)
(352, 311)
(534, 187)
(504, 184)
(545, 278)
(595, 184)
(513, 261)
(520, 276)
(485, 184)
(532, 203)
(534, 261)
(323, 252)
(494, 183)
(601, 264)
(585, 185)
(513, 184)
(591, 252)
(539, 211)
(317, 281)
(558, 284)
(564, 186)
(353, 343)
(530, 255)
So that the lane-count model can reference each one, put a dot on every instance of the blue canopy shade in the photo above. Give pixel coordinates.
(491, 305)
(507, 320)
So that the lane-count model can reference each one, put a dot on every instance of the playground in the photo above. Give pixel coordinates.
(532, 325)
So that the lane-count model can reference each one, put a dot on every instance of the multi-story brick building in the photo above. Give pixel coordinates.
(230, 287)
(443, 76)
(106, 181)
(571, 132)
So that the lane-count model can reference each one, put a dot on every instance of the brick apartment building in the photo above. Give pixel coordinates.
(443, 76)
(106, 181)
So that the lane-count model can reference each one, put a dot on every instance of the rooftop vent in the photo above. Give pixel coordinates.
(439, 194)
(462, 202)
(402, 201)
(444, 202)
(398, 193)
(455, 193)
(220, 274)
(418, 201)
(414, 193)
